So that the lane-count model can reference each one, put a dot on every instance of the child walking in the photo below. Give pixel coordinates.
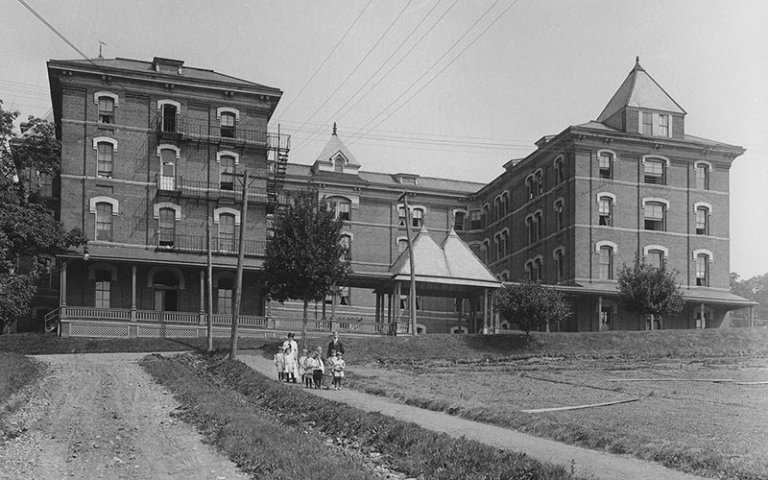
(280, 363)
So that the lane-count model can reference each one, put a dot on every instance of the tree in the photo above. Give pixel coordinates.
(305, 257)
(755, 289)
(27, 229)
(529, 304)
(650, 290)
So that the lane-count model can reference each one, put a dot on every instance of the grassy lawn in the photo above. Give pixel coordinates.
(259, 423)
(17, 371)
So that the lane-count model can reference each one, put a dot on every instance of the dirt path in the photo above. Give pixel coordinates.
(599, 465)
(101, 416)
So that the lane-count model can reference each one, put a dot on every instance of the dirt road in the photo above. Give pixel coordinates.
(101, 416)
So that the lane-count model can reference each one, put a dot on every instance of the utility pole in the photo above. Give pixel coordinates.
(412, 293)
(209, 329)
(239, 275)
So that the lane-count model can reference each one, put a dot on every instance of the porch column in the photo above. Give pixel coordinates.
(201, 315)
(376, 316)
(600, 313)
(486, 320)
(133, 293)
(63, 285)
(333, 308)
(396, 304)
(703, 318)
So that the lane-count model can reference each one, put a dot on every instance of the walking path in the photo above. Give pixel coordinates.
(588, 463)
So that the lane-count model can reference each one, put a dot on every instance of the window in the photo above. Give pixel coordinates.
(46, 185)
(346, 245)
(529, 270)
(559, 257)
(560, 215)
(224, 296)
(228, 124)
(338, 164)
(486, 251)
(655, 258)
(167, 169)
(654, 172)
(538, 269)
(104, 221)
(340, 206)
(647, 123)
(655, 216)
(606, 262)
(402, 245)
(166, 227)
(605, 211)
(227, 232)
(539, 223)
(505, 242)
(531, 230)
(702, 176)
(104, 159)
(227, 172)
(504, 204)
(606, 318)
(539, 182)
(702, 221)
(484, 217)
(497, 242)
(530, 186)
(663, 125)
(417, 218)
(475, 221)
(605, 165)
(106, 110)
(458, 220)
(702, 270)
(496, 208)
(560, 170)
(103, 288)
(169, 112)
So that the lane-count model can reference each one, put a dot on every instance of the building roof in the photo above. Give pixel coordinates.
(334, 146)
(146, 67)
(453, 264)
(640, 90)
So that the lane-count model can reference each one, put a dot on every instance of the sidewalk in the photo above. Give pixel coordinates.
(588, 463)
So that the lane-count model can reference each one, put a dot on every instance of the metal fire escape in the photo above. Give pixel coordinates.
(278, 147)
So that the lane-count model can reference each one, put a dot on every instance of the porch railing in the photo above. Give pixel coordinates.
(192, 130)
(231, 187)
(199, 244)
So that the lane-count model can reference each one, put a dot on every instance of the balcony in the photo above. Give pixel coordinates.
(231, 187)
(180, 128)
(165, 242)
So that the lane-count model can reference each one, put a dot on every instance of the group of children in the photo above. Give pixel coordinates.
(310, 368)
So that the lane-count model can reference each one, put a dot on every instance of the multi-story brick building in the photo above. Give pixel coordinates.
(153, 153)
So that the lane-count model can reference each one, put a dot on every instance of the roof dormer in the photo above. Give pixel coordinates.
(641, 105)
(336, 157)
(167, 65)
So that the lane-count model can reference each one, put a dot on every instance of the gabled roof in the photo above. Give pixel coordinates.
(640, 90)
(334, 146)
(453, 264)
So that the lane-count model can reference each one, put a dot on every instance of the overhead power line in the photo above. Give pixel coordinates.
(381, 37)
(51, 27)
(493, 22)
(322, 64)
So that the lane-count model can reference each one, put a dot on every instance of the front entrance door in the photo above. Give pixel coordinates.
(166, 300)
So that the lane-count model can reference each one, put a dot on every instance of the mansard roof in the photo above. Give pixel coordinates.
(640, 90)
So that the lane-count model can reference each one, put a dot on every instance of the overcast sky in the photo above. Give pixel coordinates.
(441, 88)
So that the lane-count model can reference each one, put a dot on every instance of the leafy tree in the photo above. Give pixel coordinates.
(650, 290)
(305, 255)
(27, 230)
(755, 289)
(529, 304)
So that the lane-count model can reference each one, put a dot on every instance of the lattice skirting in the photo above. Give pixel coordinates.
(98, 329)
(167, 331)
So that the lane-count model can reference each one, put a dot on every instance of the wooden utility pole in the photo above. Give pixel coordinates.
(209, 274)
(239, 275)
(412, 293)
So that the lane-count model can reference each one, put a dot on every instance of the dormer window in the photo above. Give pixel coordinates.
(647, 123)
(338, 164)
(663, 125)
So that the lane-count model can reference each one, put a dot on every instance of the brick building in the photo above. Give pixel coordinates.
(153, 153)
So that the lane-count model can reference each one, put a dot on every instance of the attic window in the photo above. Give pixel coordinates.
(338, 164)
(167, 65)
(407, 179)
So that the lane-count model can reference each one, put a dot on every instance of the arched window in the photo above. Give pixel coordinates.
(605, 251)
(655, 171)
(504, 204)
(417, 217)
(227, 124)
(106, 109)
(104, 221)
(169, 154)
(539, 182)
(166, 227)
(227, 172)
(227, 232)
(605, 164)
(702, 269)
(702, 220)
(169, 111)
(340, 206)
(338, 164)
(605, 210)
(346, 245)
(559, 208)
(105, 151)
(539, 223)
(559, 165)
(655, 215)
(559, 257)
(402, 245)
(702, 175)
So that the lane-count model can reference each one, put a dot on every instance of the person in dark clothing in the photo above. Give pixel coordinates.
(335, 344)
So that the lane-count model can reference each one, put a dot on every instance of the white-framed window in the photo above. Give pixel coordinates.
(475, 220)
(105, 156)
(656, 255)
(166, 226)
(703, 170)
(663, 125)
(417, 217)
(338, 164)
(169, 156)
(106, 110)
(227, 172)
(104, 221)
(655, 171)
(340, 206)
(647, 123)
(605, 250)
(655, 214)
(402, 244)
(605, 164)
(605, 206)
(703, 260)
(227, 125)
(227, 232)
(169, 112)
(702, 219)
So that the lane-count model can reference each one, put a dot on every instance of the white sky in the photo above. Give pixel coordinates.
(542, 66)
